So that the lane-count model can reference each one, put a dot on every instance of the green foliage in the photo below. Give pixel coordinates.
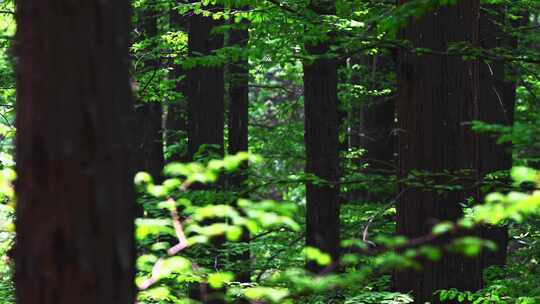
(271, 204)
(285, 284)
(380, 297)
(7, 132)
(7, 235)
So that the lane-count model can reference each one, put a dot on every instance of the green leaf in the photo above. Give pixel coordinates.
(523, 174)
(219, 279)
(275, 295)
(318, 256)
(442, 228)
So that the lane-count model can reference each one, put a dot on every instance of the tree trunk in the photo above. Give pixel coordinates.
(206, 118)
(176, 122)
(322, 146)
(437, 96)
(239, 96)
(75, 200)
(149, 115)
(238, 128)
(497, 97)
(372, 129)
(149, 139)
(376, 122)
(206, 90)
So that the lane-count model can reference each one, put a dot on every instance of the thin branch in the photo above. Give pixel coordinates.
(365, 233)
(182, 244)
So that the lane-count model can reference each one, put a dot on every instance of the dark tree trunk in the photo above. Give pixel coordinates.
(205, 90)
(75, 200)
(239, 96)
(176, 122)
(437, 96)
(497, 97)
(322, 146)
(206, 115)
(238, 128)
(372, 129)
(376, 124)
(149, 115)
(377, 121)
(149, 139)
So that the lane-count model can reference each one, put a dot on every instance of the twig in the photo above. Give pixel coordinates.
(365, 233)
(182, 240)
(182, 243)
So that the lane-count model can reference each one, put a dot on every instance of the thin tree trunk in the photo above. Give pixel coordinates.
(437, 96)
(496, 106)
(149, 139)
(238, 128)
(374, 126)
(176, 122)
(239, 96)
(377, 121)
(322, 146)
(75, 200)
(149, 115)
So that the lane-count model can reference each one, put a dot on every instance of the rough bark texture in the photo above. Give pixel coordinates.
(322, 146)
(205, 90)
(238, 129)
(75, 207)
(149, 139)
(239, 96)
(497, 97)
(176, 122)
(437, 97)
(149, 115)
(206, 118)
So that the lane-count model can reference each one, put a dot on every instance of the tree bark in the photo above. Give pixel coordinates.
(376, 123)
(437, 96)
(206, 118)
(322, 146)
(75, 206)
(239, 96)
(149, 139)
(176, 122)
(496, 106)
(149, 115)
(372, 123)
(238, 128)
(206, 88)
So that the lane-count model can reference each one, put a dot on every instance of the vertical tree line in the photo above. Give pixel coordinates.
(176, 120)
(75, 208)
(149, 114)
(437, 97)
(205, 89)
(322, 145)
(238, 122)
(497, 98)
